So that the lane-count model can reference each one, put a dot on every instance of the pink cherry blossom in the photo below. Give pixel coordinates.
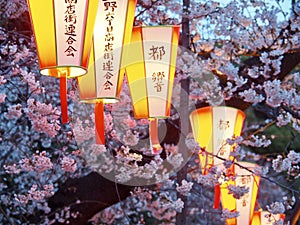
(68, 164)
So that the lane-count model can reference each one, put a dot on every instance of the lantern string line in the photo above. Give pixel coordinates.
(63, 100)
(99, 123)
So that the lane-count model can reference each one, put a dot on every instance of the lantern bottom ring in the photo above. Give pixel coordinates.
(150, 117)
(99, 100)
(67, 71)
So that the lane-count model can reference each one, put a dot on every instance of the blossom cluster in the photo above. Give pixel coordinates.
(44, 117)
(35, 194)
(276, 208)
(238, 191)
(34, 86)
(289, 164)
(227, 214)
(68, 164)
(184, 188)
(39, 163)
(257, 141)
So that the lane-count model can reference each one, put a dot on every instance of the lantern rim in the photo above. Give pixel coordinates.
(105, 100)
(156, 26)
(151, 117)
(211, 107)
(68, 71)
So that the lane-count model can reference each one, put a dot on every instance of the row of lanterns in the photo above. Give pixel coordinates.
(95, 41)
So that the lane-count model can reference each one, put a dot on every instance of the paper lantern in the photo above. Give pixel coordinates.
(150, 70)
(266, 218)
(63, 35)
(245, 205)
(211, 127)
(102, 83)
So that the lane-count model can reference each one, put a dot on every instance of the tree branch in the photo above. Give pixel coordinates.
(87, 196)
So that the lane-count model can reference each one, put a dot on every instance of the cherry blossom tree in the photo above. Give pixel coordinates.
(243, 54)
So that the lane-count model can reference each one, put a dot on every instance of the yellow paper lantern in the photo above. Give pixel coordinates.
(102, 83)
(150, 70)
(63, 35)
(245, 205)
(211, 127)
(266, 218)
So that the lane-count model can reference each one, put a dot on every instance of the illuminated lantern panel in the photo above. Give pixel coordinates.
(63, 34)
(211, 127)
(102, 83)
(266, 218)
(245, 205)
(150, 69)
(113, 29)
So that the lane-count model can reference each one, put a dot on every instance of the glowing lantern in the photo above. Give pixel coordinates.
(266, 218)
(150, 70)
(211, 127)
(103, 82)
(245, 205)
(63, 34)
